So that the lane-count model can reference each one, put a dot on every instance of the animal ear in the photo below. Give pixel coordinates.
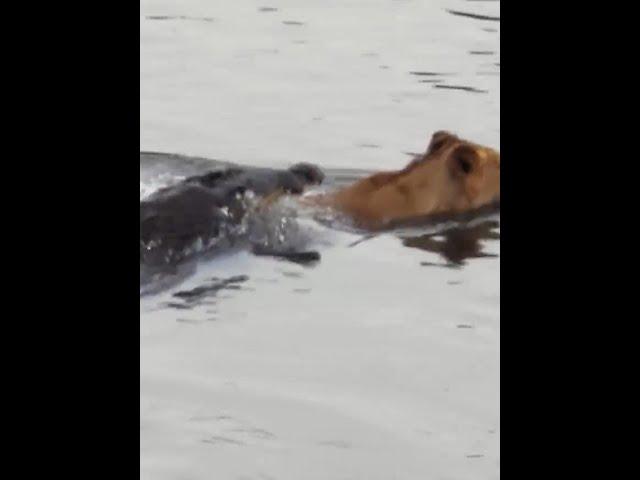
(463, 161)
(439, 140)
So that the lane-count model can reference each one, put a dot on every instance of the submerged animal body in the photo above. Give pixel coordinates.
(211, 210)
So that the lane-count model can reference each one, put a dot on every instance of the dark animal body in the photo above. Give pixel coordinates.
(206, 212)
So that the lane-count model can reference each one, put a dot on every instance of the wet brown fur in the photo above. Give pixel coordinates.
(452, 176)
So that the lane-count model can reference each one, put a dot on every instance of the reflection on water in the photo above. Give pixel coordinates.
(474, 15)
(457, 244)
(179, 17)
(460, 87)
(187, 299)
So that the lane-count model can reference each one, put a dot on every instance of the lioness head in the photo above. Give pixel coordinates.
(454, 174)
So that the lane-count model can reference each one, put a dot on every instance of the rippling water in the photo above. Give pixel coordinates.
(379, 361)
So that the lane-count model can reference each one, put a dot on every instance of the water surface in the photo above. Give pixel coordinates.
(379, 361)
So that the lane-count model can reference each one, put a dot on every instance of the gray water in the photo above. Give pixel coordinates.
(380, 361)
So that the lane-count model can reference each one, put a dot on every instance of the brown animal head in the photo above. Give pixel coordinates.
(452, 176)
(473, 170)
